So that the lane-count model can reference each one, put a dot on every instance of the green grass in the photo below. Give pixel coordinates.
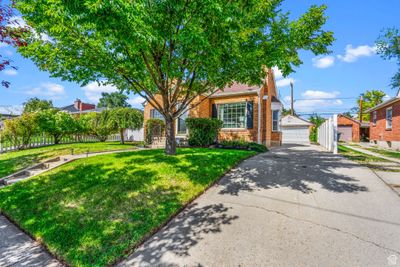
(11, 162)
(383, 152)
(94, 211)
(358, 156)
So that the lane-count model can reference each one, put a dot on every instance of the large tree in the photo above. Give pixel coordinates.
(113, 100)
(388, 46)
(370, 99)
(177, 49)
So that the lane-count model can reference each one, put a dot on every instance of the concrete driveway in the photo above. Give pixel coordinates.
(294, 206)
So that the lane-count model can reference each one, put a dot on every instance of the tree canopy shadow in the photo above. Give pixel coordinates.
(293, 167)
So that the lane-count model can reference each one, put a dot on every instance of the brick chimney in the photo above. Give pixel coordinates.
(78, 104)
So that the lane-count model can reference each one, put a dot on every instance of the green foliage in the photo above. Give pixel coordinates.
(95, 211)
(35, 104)
(113, 100)
(176, 48)
(125, 118)
(56, 123)
(20, 130)
(99, 124)
(241, 144)
(388, 45)
(203, 131)
(317, 121)
(13, 161)
(154, 128)
(371, 98)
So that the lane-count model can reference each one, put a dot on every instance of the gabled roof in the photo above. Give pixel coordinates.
(237, 89)
(386, 103)
(70, 108)
(290, 120)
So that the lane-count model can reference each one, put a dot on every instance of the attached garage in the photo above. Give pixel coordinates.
(295, 130)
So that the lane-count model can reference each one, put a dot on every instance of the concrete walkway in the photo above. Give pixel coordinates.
(294, 206)
(365, 151)
(18, 249)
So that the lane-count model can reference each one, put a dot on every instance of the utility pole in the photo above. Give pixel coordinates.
(291, 101)
(361, 109)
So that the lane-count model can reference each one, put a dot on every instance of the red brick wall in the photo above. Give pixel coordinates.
(85, 106)
(355, 127)
(379, 132)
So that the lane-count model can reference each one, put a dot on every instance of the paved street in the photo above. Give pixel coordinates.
(294, 206)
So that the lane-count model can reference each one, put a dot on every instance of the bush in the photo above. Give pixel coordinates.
(19, 131)
(154, 127)
(241, 144)
(203, 131)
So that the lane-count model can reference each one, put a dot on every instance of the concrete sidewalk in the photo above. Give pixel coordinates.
(365, 151)
(294, 206)
(18, 249)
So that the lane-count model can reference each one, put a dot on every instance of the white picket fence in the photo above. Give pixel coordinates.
(328, 134)
(39, 141)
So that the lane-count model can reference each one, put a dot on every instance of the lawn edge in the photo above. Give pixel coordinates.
(145, 237)
(178, 211)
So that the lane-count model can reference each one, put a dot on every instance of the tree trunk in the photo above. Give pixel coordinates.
(121, 132)
(56, 139)
(170, 144)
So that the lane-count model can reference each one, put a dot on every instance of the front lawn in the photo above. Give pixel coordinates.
(13, 161)
(384, 152)
(95, 210)
(358, 156)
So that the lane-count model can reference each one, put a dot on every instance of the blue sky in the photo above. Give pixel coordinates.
(350, 69)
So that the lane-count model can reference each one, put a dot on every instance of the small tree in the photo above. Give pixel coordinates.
(56, 123)
(125, 118)
(19, 131)
(388, 46)
(113, 100)
(35, 104)
(99, 124)
(317, 121)
(371, 98)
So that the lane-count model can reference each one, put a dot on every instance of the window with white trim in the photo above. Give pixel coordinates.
(155, 114)
(389, 117)
(374, 117)
(275, 120)
(233, 115)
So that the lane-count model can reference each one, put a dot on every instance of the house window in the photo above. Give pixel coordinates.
(389, 113)
(374, 116)
(181, 123)
(233, 115)
(155, 114)
(275, 120)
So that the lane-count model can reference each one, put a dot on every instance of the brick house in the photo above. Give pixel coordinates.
(78, 107)
(250, 113)
(352, 130)
(385, 123)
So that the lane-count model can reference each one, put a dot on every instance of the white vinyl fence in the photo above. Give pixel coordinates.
(327, 134)
(39, 141)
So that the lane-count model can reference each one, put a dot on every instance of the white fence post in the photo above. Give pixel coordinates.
(327, 134)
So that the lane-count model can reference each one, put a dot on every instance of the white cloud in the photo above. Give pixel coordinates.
(277, 73)
(93, 90)
(284, 82)
(2, 44)
(323, 62)
(53, 90)
(354, 53)
(315, 100)
(10, 72)
(136, 101)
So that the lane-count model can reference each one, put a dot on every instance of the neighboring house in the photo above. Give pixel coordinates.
(295, 130)
(79, 107)
(249, 113)
(351, 130)
(385, 123)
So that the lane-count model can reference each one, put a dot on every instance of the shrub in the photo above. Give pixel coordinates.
(203, 131)
(241, 144)
(154, 127)
(19, 131)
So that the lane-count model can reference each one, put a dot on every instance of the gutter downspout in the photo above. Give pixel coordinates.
(259, 116)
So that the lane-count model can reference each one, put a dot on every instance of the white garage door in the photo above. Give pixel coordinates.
(295, 135)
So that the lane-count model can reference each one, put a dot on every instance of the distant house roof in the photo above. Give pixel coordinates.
(88, 110)
(70, 108)
(237, 89)
(11, 110)
(386, 103)
(291, 120)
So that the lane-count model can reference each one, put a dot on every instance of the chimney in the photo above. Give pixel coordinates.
(78, 104)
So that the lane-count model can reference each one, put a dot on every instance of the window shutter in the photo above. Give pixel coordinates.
(249, 107)
(214, 113)
(152, 113)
